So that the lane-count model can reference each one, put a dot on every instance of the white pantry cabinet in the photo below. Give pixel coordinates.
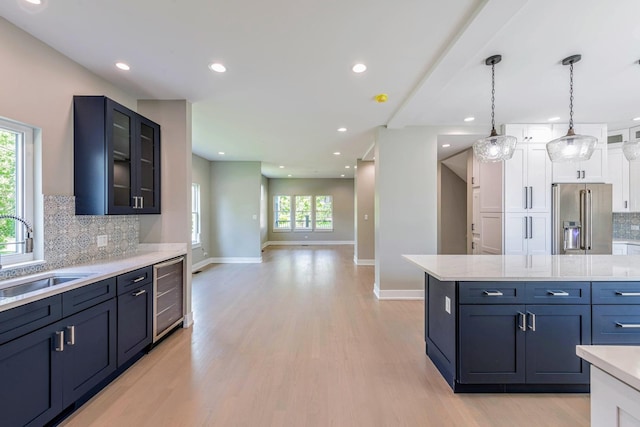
(592, 170)
(527, 234)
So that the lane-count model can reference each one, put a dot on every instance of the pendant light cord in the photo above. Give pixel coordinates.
(571, 96)
(493, 98)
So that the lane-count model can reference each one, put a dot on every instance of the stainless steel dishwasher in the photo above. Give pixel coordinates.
(168, 288)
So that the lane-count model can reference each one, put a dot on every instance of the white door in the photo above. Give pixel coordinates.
(539, 235)
(515, 185)
(491, 189)
(515, 229)
(475, 209)
(491, 233)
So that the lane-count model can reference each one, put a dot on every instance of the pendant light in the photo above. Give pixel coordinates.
(494, 148)
(571, 147)
(631, 150)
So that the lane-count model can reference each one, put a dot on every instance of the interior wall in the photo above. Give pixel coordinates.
(365, 212)
(235, 210)
(200, 175)
(343, 193)
(453, 219)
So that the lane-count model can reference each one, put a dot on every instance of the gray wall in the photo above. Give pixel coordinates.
(235, 209)
(200, 174)
(343, 194)
(453, 212)
(365, 195)
(264, 210)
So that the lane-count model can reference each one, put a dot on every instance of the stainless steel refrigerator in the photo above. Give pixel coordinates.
(581, 219)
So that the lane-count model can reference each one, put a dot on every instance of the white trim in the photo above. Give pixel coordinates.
(357, 261)
(187, 320)
(308, 242)
(236, 260)
(199, 265)
(399, 294)
(264, 245)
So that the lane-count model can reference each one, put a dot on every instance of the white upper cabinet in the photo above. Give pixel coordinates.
(526, 133)
(592, 170)
(527, 179)
(619, 177)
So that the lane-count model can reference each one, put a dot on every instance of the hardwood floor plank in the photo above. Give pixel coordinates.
(300, 340)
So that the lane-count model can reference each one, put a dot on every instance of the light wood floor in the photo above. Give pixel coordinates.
(300, 340)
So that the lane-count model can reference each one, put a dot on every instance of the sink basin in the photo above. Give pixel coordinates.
(41, 283)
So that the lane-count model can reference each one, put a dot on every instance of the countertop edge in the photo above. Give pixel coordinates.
(601, 357)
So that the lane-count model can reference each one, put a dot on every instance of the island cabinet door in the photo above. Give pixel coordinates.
(552, 335)
(492, 344)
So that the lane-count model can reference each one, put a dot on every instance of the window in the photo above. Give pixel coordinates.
(282, 213)
(195, 214)
(302, 213)
(16, 189)
(324, 213)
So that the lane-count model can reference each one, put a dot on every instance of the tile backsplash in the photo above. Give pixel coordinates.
(626, 226)
(71, 239)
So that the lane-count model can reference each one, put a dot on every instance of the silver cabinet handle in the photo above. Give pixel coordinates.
(532, 326)
(628, 294)
(473, 227)
(626, 204)
(168, 263)
(525, 227)
(142, 202)
(522, 321)
(492, 293)
(627, 325)
(526, 196)
(138, 279)
(558, 293)
(578, 174)
(530, 197)
(582, 174)
(140, 292)
(59, 345)
(71, 338)
(531, 227)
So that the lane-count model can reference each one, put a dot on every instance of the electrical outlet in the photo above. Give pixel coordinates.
(102, 241)
(447, 304)
(635, 228)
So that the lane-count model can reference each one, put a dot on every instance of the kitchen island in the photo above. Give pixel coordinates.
(506, 323)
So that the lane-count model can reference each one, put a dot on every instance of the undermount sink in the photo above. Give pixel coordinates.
(41, 283)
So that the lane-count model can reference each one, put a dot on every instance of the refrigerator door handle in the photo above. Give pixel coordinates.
(555, 240)
(589, 234)
(583, 218)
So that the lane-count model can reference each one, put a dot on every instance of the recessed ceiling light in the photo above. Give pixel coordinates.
(217, 67)
(355, 167)
(221, 153)
(337, 153)
(359, 68)
(347, 167)
(469, 119)
(342, 129)
(342, 175)
(289, 175)
(123, 66)
(446, 145)
(281, 167)
(635, 119)
(554, 119)
(34, 1)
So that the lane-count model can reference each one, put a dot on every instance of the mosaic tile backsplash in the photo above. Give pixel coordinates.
(622, 223)
(70, 239)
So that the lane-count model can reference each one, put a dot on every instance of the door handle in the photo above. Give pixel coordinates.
(59, 341)
(525, 227)
(531, 227)
(522, 321)
(530, 197)
(140, 292)
(558, 293)
(142, 202)
(526, 197)
(135, 202)
(71, 339)
(492, 293)
(532, 326)
(578, 174)
(627, 325)
(582, 174)
(626, 204)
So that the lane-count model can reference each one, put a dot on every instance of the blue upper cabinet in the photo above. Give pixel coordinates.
(116, 159)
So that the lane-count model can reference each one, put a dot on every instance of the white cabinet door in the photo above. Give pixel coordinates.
(475, 244)
(633, 250)
(539, 236)
(515, 229)
(595, 169)
(491, 193)
(491, 233)
(539, 133)
(539, 178)
(619, 178)
(634, 186)
(475, 171)
(475, 211)
(515, 183)
(592, 170)
(619, 249)
(567, 172)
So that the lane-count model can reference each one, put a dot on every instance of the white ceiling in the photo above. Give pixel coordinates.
(289, 84)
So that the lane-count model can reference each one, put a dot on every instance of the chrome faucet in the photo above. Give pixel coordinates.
(28, 241)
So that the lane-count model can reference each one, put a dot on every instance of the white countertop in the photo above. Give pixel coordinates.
(627, 242)
(596, 268)
(96, 271)
(619, 361)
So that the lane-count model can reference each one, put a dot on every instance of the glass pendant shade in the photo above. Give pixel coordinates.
(631, 150)
(571, 147)
(494, 148)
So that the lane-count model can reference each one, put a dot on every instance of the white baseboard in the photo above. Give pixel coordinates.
(264, 245)
(236, 260)
(398, 294)
(201, 264)
(357, 261)
(308, 242)
(187, 321)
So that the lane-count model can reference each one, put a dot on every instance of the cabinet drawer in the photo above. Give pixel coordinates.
(616, 292)
(558, 293)
(134, 279)
(29, 317)
(491, 292)
(88, 296)
(616, 324)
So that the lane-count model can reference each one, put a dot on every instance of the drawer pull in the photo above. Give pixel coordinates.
(522, 322)
(492, 293)
(140, 292)
(558, 293)
(628, 294)
(71, 339)
(59, 341)
(627, 325)
(532, 316)
(138, 279)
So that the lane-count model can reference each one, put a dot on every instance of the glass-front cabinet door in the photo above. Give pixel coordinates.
(148, 167)
(121, 151)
